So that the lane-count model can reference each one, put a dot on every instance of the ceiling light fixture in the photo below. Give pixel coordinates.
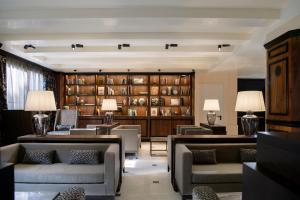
(74, 46)
(123, 45)
(167, 46)
(26, 46)
(223, 45)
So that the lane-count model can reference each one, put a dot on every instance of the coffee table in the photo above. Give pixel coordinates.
(157, 140)
(35, 195)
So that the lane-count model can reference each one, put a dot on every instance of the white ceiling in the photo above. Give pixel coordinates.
(197, 26)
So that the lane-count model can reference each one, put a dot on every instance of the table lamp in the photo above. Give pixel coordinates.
(40, 101)
(249, 102)
(211, 105)
(109, 105)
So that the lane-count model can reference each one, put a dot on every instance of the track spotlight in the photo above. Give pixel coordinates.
(223, 45)
(26, 46)
(79, 45)
(120, 46)
(167, 46)
(73, 47)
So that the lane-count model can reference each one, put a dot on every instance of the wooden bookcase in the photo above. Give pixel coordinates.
(157, 101)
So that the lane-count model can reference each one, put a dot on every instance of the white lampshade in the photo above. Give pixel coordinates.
(250, 101)
(109, 105)
(40, 101)
(211, 105)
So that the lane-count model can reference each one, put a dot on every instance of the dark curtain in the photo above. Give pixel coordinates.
(50, 84)
(3, 103)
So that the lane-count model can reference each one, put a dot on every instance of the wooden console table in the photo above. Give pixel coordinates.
(203, 139)
(78, 139)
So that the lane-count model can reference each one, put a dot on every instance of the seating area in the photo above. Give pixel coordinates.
(149, 100)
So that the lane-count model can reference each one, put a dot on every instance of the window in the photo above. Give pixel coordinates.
(20, 79)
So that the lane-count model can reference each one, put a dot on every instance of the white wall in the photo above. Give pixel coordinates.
(221, 85)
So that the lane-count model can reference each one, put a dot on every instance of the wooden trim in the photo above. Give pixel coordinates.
(286, 87)
(285, 45)
(289, 34)
(283, 123)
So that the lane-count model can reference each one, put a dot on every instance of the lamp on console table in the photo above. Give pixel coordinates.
(211, 105)
(249, 102)
(109, 105)
(40, 101)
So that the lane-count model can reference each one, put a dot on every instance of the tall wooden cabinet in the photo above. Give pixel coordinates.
(283, 82)
(156, 101)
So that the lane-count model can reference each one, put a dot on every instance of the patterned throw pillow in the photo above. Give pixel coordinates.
(204, 156)
(204, 193)
(248, 155)
(86, 157)
(38, 157)
(64, 127)
(74, 193)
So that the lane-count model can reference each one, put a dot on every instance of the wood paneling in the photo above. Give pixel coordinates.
(283, 85)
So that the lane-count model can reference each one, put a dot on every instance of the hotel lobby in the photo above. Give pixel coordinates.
(166, 100)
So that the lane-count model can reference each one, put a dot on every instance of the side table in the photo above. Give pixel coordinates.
(157, 140)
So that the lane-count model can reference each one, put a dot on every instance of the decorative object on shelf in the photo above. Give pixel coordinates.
(138, 81)
(174, 91)
(169, 90)
(40, 101)
(164, 81)
(168, 112)
(176, 81)
(109, 105)
(124, 91)
(142, 101)
(161, 101)
(175, 102)
(211, 105)
(249, 102)
(164, 91)
(124, 102)
(154, 90)
(155, 101)
(130, 89)
(134, 102)
(123, 81)
(69, 90)
(153, 111)
(110, 81)
(82, 102)
(101, 90)
(110, 91)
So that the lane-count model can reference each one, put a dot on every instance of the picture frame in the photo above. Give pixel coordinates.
(175, 102)
(153, 111)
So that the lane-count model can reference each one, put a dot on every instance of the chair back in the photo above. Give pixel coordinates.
(66, 117)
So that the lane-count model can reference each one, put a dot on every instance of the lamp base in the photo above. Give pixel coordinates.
(211, 118)
(249, 123)
(109, 117)
(41, 124)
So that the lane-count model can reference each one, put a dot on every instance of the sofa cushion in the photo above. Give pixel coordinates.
(218, 173)
(59, 173)
(80, 156)
(248, 155)
(207, 156)
(38, 157)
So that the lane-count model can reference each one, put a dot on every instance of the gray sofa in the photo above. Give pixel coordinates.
(97, 180)
(225, 176)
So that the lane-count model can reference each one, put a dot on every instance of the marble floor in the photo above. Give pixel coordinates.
(147, 178)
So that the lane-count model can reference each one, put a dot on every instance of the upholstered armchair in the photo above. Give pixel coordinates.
(131, 134)
(66, 119)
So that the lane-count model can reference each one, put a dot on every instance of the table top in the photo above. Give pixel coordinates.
(35, 195)
(158, 139)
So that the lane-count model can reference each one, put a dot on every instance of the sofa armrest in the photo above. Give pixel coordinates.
(112, 169)
(183, 168)
(9, 153)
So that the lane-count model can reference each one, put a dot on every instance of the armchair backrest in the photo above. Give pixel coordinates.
(66, 117)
